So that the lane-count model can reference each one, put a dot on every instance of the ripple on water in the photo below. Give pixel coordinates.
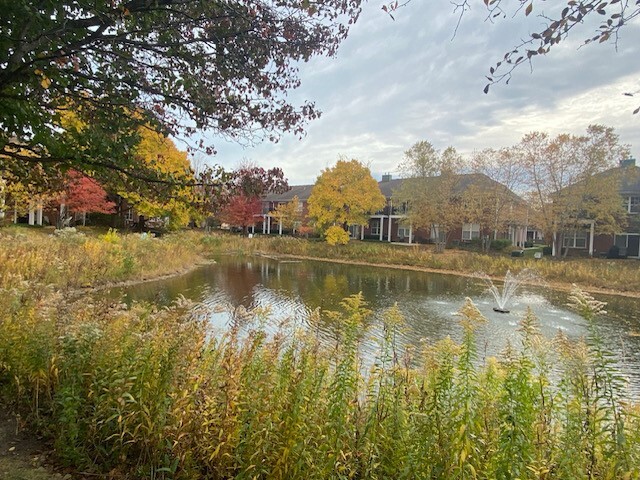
(428, 302)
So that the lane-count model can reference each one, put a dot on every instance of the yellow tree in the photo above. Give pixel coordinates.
(290, 214)
(573, 183)
(160, 153)
(344, 195)
(33, 187)
(490, 200)
(431, 190)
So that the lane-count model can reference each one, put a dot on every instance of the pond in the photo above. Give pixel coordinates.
(292, 290)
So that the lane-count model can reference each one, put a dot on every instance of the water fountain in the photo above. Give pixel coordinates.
(509, 288)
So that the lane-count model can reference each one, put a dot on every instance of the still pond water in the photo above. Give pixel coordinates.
(292, 290)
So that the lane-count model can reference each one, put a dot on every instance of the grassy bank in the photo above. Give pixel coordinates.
(148, 393)
(75, 261)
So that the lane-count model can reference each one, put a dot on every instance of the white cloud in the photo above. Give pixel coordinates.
(395, 83)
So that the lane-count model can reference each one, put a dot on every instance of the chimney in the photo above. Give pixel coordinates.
(628, 162)
(386, 177)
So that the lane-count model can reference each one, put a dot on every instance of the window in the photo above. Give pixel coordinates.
(621, 240)
(404, 232)
(634, 204)
(470, 231)
(128, 215)
(375, 227)
(576, 239)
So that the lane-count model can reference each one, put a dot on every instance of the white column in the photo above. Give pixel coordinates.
(2, 198)
(32, 215)
(381, 227)
(553, 245)
(253, 229)
(591, 235)
(39, 214)
(268, 224)
(361, 232)
(390, 221)
(410, 234)
(264, 224)
(280, 226)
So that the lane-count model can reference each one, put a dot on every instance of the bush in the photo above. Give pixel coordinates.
(501, 244)
(547, 250)
(337, 236)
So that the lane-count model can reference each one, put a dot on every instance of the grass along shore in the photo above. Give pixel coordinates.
(147, 392)
(98, 258)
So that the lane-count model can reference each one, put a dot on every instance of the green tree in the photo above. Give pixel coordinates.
(344, 195)
(180, 66)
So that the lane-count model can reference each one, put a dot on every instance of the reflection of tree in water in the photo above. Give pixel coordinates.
(238, 280)
(192, 286)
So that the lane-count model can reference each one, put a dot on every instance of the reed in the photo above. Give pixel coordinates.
(143, 392)
(76, 260)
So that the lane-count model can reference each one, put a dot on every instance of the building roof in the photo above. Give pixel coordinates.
(628, 175)
(630, 179)
(301, 191)
(390, 187)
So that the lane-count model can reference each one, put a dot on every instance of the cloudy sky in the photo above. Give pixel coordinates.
(394, 83)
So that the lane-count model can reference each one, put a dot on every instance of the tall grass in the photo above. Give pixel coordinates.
(151, 393)
(76, 260)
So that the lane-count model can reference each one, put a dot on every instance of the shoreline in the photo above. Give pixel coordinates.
(557, 285)
(158, 278)
(277, 256)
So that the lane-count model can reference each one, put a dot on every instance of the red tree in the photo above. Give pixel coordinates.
(241, 211)
(85, 195)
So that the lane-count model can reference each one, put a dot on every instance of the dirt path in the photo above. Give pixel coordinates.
(22, 455)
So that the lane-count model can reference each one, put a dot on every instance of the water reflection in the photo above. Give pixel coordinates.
(292, 290)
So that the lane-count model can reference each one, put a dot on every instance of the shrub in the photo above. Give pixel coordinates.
(336, 235)
(500, 244)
